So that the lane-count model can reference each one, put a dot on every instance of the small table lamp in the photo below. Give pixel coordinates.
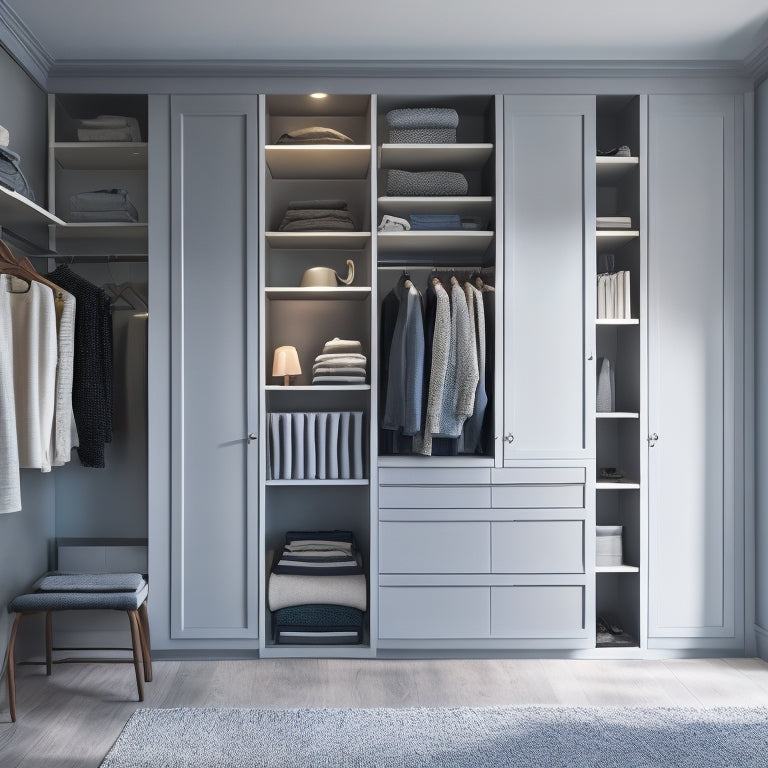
(286, 364)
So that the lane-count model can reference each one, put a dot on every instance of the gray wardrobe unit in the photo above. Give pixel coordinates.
(466, 553)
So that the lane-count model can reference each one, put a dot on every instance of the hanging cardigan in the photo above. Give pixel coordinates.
(473, 425)
(92, 370)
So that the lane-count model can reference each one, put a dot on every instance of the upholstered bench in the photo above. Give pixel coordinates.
(58, 591)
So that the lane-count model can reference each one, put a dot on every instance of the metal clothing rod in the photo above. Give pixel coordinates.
(99, 258)
(436, 267)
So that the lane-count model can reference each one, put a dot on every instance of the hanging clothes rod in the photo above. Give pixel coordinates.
(99, 258)
(437, 267)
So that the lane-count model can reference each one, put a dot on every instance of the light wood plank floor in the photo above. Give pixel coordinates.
(71, 719)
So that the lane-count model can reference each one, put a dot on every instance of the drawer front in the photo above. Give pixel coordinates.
(559, 496)
(533, 475)
(422, 547)
(537, 546)
(550, 611)
(434, 475)
(435, 496)
(418, 613)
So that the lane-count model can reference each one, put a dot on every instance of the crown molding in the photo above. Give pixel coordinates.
(756, 63)
(162, 68)
(29, 52)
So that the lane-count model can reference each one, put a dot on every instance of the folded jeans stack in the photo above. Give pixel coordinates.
(109, 128)
(422, 125)
(317, 589)
(341, 362)
(111, 205)
(317, 216)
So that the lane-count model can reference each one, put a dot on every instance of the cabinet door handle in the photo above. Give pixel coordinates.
(652, 440)
(509, 438)
(251, 437)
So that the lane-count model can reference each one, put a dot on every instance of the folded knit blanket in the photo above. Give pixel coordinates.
(426, 183)
(422, 135)
(314, 134)
(317, 219)
(423, 117)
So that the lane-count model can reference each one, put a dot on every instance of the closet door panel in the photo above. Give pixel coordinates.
(694, 572)
(546, 197)
(214, 573)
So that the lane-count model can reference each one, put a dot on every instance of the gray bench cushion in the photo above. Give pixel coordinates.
(89, 582)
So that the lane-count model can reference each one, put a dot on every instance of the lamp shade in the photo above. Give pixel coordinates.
(286, 363)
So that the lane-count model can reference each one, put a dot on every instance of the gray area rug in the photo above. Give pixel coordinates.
(463, 737)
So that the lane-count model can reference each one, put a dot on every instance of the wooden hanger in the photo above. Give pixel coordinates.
(23, 268)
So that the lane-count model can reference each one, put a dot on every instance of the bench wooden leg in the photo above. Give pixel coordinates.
(133, 616)
(12, 667)
(146, 646)
(48, 641)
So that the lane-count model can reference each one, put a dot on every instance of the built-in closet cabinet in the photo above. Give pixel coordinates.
(549, 229)
(214, 421)
(695, 316)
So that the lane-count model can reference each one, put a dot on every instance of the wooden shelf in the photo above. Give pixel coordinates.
(617, 321)
(438, 241)
(347, 293)
(617, 415)
(317, 387)
(625, 484)
(608, 239)
(17, 210)
(609, 170)
(318, 161)
(430, 157)
(101, 155)
(102, 230)
(464, 206)
(353, 241)
(616, 569)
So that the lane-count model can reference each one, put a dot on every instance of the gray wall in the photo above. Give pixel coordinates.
(761, 342)
(25, 535)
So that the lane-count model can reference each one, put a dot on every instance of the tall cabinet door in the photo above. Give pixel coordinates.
(549, 183)
(695, 257)
(214, 494)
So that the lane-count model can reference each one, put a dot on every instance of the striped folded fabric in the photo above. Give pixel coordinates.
(319, 553)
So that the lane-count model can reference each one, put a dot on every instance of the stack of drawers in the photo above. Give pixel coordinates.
(484, 558)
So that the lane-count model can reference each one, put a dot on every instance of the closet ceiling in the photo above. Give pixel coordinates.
(452, 30)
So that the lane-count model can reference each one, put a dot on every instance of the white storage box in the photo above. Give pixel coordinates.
(608, 545)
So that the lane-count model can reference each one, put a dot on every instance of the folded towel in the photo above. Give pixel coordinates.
(101, 200)
(298, 205)
(314, 134)
(109, 128)
(442, 221)
(338, 379)
(426, 183)
(342, 359)
(423, 117)
(613, 222)
(326, 224)
(422, 135)
(347, 346)
(337, 370)
(286, 590)
(104, 134)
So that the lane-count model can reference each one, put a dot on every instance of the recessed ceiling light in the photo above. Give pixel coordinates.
(318, 95)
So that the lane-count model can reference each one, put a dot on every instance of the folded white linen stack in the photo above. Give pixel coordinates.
(341, 362)
(109, 128)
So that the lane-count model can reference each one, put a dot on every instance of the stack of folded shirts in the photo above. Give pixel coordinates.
(102, 205)
(614, 222)
(317, 589)
(441, 221)
(109, 128)
(426, 184)
(341, 362)
(317, 216)
(422, 125)
(314, 134)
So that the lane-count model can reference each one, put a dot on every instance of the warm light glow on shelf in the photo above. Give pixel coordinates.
(318, 95)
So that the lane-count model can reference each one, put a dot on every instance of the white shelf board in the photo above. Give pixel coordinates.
(437, 240)
(317, 482)
(617, 415)
(318, 161)
(617, 321)
(102, 230)
(624, 484)
(607, 239)
(616, 569)
(430, 157)
(19, 210)
(101, 155)
(347, 293)
(609, 170)
(318, 240)
(317, 387)
(464, 206)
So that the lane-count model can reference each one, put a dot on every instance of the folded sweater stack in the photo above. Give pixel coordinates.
(111, 205)
(317, 589)
(109, 128)
(317, 216)
(341, 362)
(422, 125)
(314, 134)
